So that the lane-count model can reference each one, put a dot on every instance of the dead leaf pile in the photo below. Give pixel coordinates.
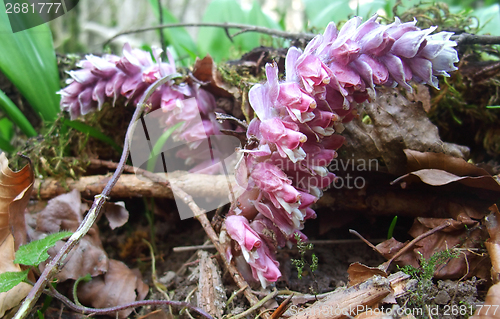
(113, 282)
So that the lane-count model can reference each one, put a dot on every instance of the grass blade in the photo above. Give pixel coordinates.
(84, 128)
(28, 60)
(16, 116)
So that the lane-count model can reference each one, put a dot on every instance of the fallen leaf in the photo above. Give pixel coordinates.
(65, 212)
(490, 308)
(428, 160)
(205, 70)
(359, 273)
(492, 222)
(120, 285)
(15, 295)
(116, 213)
(395, 124)
(15, 191)
(437, 177)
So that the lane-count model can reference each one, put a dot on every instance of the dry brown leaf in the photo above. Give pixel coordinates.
(116, 213)
(14, 296)
(437, 177)
(490, 309)
(428, 160)
(493, 243)
(359, 273)
(15, 192)
(205, 70)
(120, 285)
(65, 212)
(396, 124)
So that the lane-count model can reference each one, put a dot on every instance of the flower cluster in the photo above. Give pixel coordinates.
(110, 77)
(295, 134)
(298, 118)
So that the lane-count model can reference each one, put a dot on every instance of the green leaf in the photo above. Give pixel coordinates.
(16, 115)
(178, 38)
(215, 41)
(159, 145)
(321, 12)
(390, 232)
(34, 253)
(28, 60)
(489, 19)
(5, 145)
(87, 129)
(369, 8)
(6, 129)
(10, 279)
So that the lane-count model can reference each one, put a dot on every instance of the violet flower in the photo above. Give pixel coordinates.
(110, 77)
(299, 119)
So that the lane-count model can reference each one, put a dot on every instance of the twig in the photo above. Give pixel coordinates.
(223, 117)
(467, 38)
(180, 249)
(55, 264)
(256, 306)
(191, 248)
(243, 28)
(104, 311)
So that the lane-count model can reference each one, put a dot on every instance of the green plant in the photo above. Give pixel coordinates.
(215, 40)
(28, 60)
(420, 297)
(31, 254)
(301, 263)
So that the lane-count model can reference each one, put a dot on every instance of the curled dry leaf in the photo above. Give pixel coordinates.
(428, 160)
(490, 309)
(395, 124)
(359, 273)
(437, 177)
(206, 71)
(493, 243)
(15, 191)
(65, 212)
(120, 285)
(116, 213)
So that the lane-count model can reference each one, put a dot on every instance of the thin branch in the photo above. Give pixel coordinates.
(467, 39)
(56, 263)
(106, 311)
(243, 28)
